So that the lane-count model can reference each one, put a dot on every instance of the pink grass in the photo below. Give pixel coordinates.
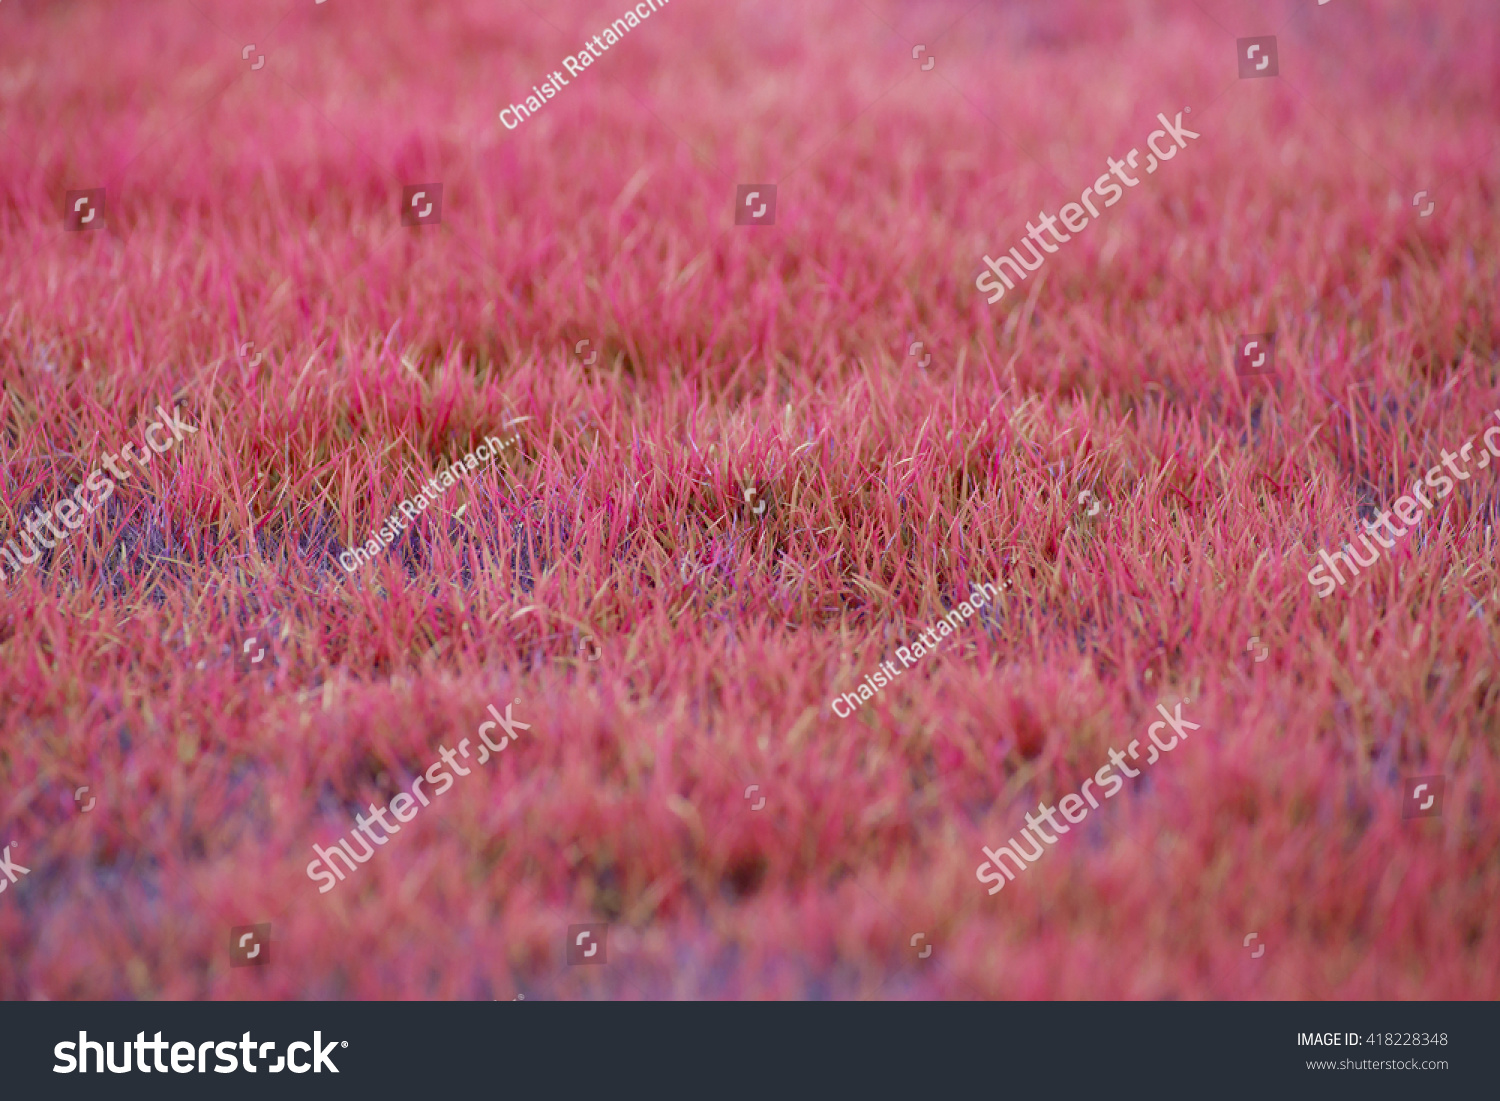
(262, 205)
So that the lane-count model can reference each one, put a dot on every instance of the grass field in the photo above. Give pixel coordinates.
(744, 494)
